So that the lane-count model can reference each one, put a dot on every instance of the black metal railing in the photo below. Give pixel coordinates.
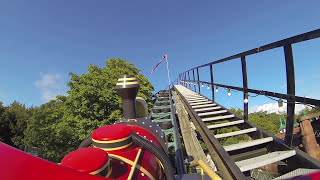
(292, 99)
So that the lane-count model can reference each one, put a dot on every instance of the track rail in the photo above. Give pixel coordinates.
(163, 114)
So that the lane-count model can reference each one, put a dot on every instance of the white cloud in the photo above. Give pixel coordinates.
(274, 108)
(51, 85)
(49, 81)
(270, 108)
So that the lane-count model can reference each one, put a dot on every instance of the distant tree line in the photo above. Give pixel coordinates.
(58, 127)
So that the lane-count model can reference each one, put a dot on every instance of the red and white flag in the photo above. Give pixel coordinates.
(164, 57)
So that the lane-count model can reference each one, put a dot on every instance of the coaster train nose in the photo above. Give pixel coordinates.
(132, 148)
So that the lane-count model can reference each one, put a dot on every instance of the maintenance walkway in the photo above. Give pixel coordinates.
(239, 161)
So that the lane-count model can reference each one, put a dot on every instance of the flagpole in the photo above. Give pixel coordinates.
(168, 70)
(164, 57)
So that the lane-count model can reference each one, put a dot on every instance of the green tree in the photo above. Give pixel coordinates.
(49, 133)
(13, 122)
(269, 122)
(237, 111)
(58, 127)
(92, 100)
(5, 132)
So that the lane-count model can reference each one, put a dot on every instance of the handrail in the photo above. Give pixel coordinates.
(303, 100)
(206, 168)
(184, 77)
(292, 40)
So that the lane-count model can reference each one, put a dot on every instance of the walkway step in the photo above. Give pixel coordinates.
(218, 118)
(193, 96)
(215, 126)
(207, 109)
(252, 163)
(189, 94)
(212, 113)
(235, 133)
(198, 100)
(205, 105)
(200, 103)
(195, 99)
(248, 144)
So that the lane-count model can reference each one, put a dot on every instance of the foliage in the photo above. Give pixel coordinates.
(92, 101)
(269, 122)
(13, 122)
(237, 111)
(50, 133)
(58, 127)
(5, 133)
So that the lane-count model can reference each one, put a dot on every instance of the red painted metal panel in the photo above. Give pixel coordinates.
(17, 165)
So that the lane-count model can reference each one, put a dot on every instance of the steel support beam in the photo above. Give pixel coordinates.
(194, 80)
(185, 79)
(290, 91)
(245, 87)
(198, 81)
(211, 74)
(189, 80)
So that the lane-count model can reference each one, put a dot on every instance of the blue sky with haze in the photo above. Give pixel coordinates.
(42, 41)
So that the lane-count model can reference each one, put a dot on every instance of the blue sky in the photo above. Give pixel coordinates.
(42, 41)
